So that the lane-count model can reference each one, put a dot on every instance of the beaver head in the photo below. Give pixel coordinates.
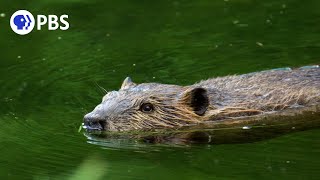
(148, 106)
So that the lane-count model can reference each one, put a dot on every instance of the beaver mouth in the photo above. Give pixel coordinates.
(94, 124)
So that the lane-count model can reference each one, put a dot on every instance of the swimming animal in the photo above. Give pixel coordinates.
(152, 106)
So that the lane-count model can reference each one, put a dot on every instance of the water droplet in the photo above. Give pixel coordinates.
(259, 44)
(80, 127)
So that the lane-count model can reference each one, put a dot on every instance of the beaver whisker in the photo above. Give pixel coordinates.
(104, 90)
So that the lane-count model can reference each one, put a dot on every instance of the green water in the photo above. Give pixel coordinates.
(50, 79)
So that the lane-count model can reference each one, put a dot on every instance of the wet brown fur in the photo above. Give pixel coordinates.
(228, 97)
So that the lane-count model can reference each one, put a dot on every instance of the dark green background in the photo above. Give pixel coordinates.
(49, 80)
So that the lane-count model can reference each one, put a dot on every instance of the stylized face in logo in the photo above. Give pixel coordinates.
(22, 22)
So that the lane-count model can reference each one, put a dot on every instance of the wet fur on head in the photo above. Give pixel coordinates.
(172, 106)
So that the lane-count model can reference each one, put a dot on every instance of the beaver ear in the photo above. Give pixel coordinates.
(197, 98)
(127, 82)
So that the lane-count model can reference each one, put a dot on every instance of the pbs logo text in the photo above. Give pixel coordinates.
(23, 22)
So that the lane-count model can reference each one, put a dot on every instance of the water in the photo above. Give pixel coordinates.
(50, 79)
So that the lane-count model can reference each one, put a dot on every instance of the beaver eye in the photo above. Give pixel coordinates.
(146, 107)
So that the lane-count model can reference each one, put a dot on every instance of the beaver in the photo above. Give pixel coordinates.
(152, 106)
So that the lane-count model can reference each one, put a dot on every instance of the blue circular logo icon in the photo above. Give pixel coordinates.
(22, 22)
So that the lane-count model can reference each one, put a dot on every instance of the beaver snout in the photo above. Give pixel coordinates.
(92, 122)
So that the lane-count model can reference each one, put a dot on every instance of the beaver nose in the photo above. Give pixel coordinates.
(93, 122)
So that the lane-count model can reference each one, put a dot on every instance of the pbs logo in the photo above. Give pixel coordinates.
(22, 22)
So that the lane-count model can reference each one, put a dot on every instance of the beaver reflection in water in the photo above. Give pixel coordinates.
(158, 106)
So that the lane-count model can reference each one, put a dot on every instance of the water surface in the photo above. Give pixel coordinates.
(50, 79)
